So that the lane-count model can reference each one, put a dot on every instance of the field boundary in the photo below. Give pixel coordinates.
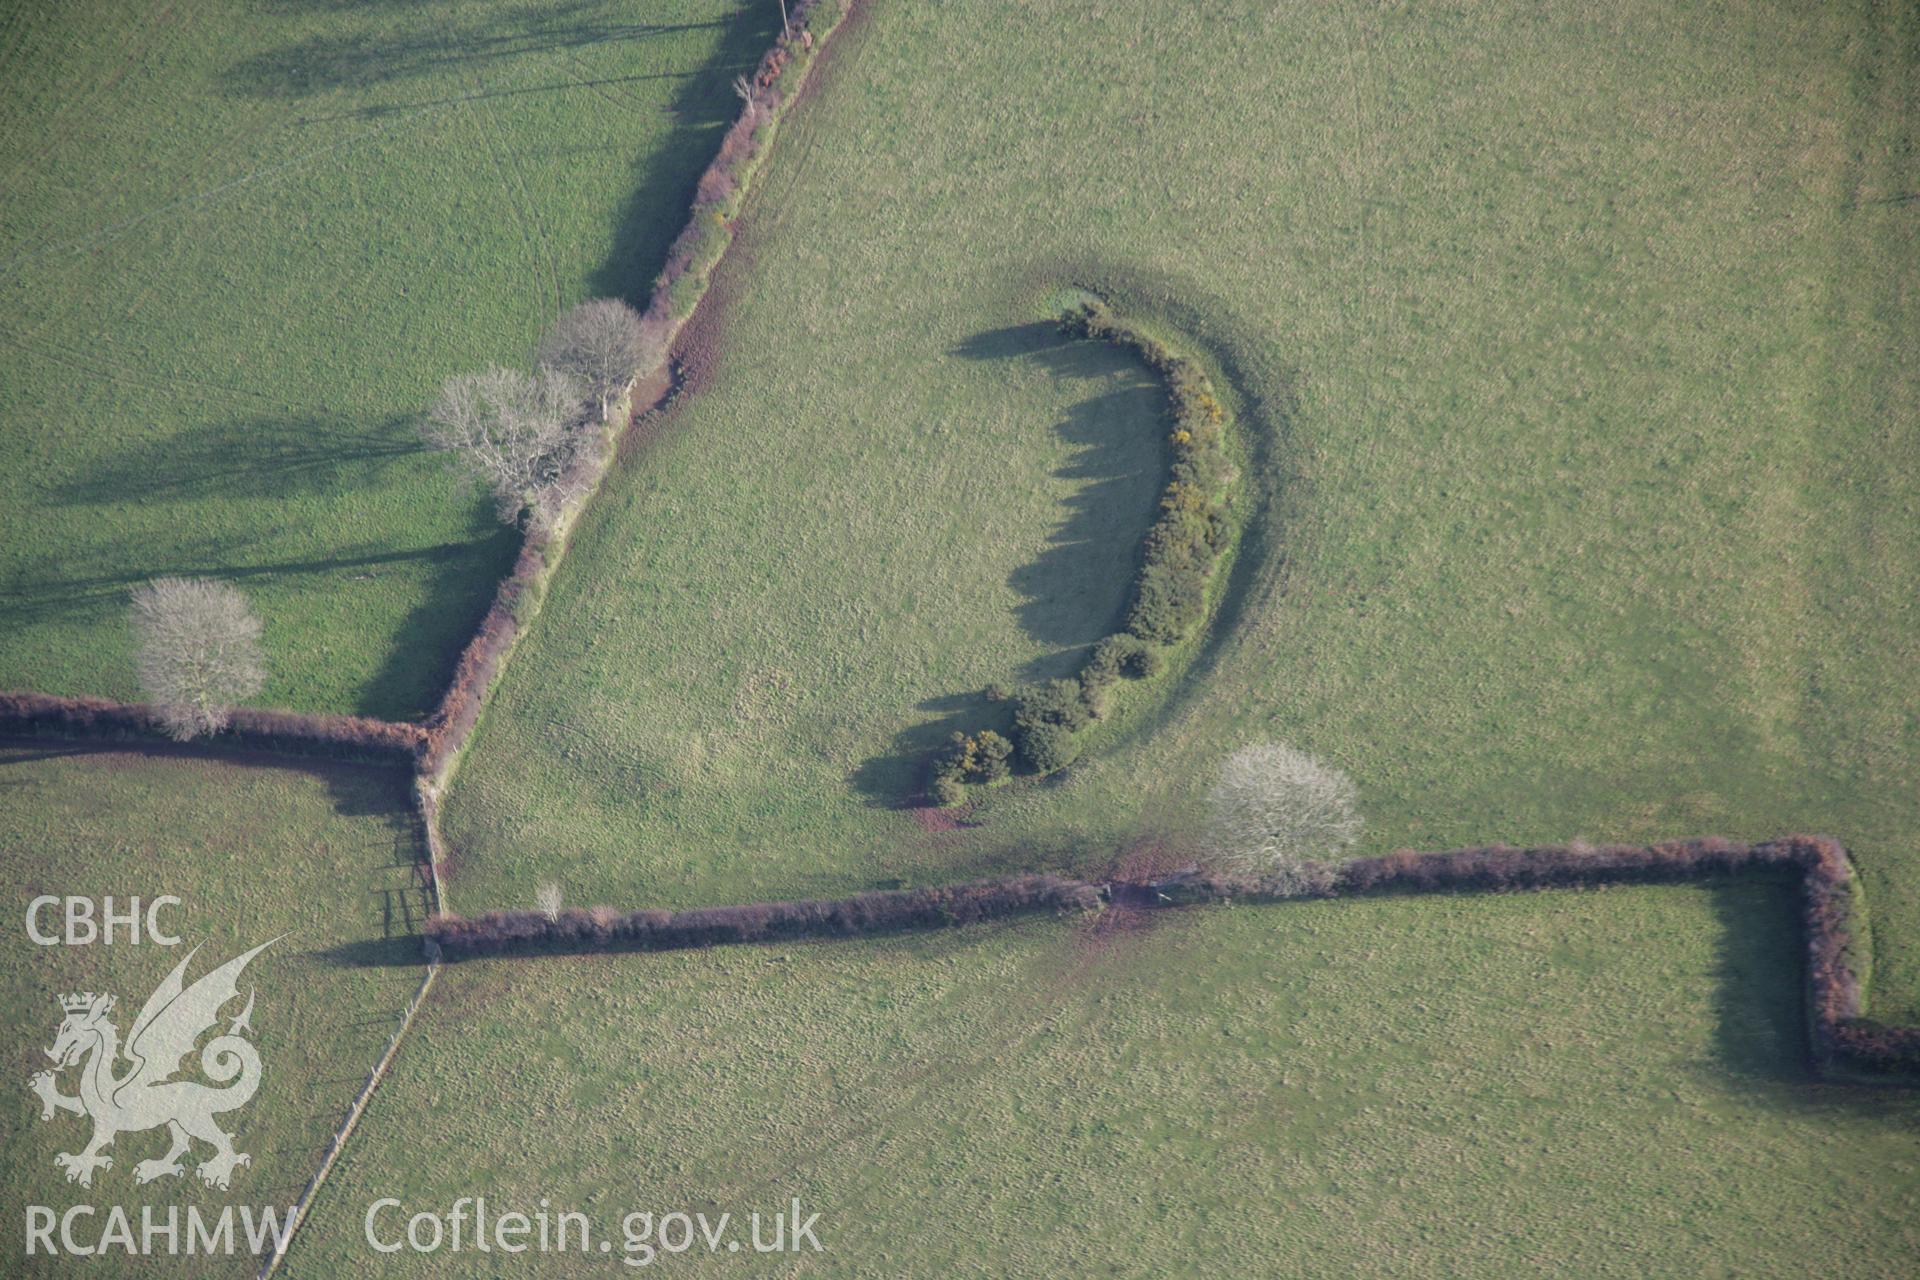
(335, 1145)
(433, 748)
(776, 83)
(1175, 593)
(1844, 1043)
(249, 730)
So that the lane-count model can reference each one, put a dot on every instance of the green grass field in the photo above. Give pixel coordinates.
(1576, 348)
(1583, 348)
(1606, 1084)
(323, 854)
(240, 245)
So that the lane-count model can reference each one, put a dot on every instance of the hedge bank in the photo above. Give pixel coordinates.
(889, 911)
(1191, 533)
(248, 728)
(1844, 1043)
(718, 195)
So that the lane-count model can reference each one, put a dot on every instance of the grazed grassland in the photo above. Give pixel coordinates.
(1583, 345)
(1606, 1083)
(240, 244)
(321, 857)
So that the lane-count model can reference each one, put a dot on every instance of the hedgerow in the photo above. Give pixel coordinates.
(677, 290)
(247, 728)
(1844, 1042)
(887, 911)
(722, 188)
(981, 758)
(1180, 553)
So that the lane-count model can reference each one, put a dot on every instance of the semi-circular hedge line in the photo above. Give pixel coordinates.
(1183, 548)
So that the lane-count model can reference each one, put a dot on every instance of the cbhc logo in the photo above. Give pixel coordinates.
(84, 926)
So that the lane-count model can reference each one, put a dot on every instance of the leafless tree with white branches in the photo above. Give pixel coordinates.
(743, 90)
(600, 343)
(198, 652)
(1275, 810)
(517, 432)
(547, 898)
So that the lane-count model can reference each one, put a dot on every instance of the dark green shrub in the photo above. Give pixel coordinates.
(1057, 702)
(1119, 656)
(1095, 696)
(1095, 680)
(992, 757)
(1047, 747)
(946, 790)
(1144, 663)
(1192, 530)
(1169, 600)
(1108, 660)
(1047, 716)
(983, 758)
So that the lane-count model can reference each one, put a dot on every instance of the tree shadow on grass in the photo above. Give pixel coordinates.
(92, 597)
(1075, 592)
(664, 179)
(274, 456)
(281, 458)
(394, 110)
(373, 56)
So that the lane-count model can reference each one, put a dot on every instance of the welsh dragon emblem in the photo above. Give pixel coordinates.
(143, 1096)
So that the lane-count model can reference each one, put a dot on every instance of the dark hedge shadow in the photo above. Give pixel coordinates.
(664, 179)
(354, 789)
(379, 55)
(257, 456)
(376, 953)
(1759, 987)
(1075, 592)
(459, 591)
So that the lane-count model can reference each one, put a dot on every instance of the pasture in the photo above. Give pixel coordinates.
(1579, 346)
(1606, 1084)
(240, 245)
(1573, 359)
(320, 856)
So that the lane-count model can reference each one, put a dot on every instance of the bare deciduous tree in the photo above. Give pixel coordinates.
(547, 898)
(743, 90)
(198, 652)
(600, 343)
(517, 432)
(1275, 809)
